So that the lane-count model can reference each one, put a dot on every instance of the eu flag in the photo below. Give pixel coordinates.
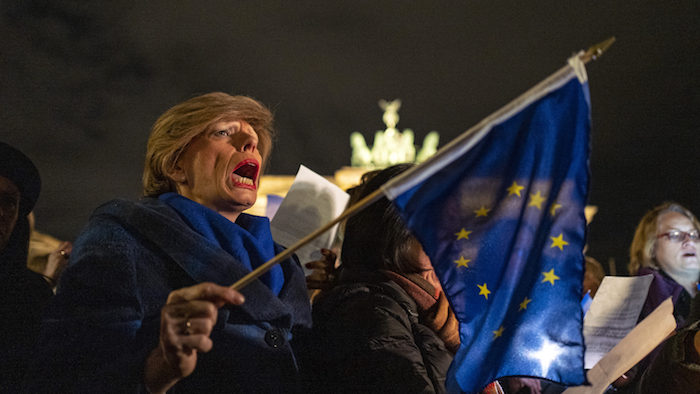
(500, 212)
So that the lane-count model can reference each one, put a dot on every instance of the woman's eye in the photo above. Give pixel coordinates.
(223, 133)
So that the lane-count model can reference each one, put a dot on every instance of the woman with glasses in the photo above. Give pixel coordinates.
(666, 245)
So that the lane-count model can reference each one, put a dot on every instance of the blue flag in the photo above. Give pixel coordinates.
(500, 212)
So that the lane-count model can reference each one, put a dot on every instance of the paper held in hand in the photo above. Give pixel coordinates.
(613, 314)
(311, 202)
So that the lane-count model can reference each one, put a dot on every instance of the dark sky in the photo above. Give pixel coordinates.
(82, 82)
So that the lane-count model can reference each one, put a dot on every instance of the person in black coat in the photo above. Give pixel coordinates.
(24, 292)
(387, 326)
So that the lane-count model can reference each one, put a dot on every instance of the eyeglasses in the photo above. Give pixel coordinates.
(679, 236)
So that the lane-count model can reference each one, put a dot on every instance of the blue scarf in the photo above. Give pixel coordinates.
(248, 240)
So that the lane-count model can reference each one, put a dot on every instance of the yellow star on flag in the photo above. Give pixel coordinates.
(498, 332)
(463, 234)
(484, 291)
(462, 262)
(523, 305)
(482, 212)
(558, 242)
(549, 277)
(515, 189)
(536, 200)
(554, 208)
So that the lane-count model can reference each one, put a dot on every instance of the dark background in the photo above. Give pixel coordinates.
(81, 83)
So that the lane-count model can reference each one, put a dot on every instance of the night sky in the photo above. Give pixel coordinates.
(82, 82)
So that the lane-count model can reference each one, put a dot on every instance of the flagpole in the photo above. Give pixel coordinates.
(593, 53)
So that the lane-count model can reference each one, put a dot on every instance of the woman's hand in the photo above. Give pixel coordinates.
(56, 262)
(323, 275)
(186, 322)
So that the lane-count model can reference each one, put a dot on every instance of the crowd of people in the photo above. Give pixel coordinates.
(144, 304)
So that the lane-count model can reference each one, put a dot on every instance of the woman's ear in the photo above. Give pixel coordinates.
(176, 173)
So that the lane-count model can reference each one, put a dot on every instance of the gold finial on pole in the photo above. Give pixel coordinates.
(594, 52)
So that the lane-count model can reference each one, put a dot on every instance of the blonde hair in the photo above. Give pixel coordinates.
(180, 124)
(642, 250)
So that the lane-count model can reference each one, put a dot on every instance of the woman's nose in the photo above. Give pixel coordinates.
(250, 144)
(246, 140)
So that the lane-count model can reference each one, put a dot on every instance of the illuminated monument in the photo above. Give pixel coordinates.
(390, 147)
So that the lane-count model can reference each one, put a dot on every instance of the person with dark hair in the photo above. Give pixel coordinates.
(387, 327)
(145, 304)
(25, 293)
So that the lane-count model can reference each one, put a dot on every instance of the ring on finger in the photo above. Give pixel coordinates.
(188, 326)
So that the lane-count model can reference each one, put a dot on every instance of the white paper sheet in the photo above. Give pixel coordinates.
(613, 314)
(311, 202)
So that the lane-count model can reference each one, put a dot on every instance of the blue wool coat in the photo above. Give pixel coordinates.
(105, 318)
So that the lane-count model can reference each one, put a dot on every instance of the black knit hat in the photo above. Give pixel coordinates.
(18, 168)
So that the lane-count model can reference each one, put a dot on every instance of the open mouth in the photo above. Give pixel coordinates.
(245, 174)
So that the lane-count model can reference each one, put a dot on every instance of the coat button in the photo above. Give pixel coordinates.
(274, 338)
